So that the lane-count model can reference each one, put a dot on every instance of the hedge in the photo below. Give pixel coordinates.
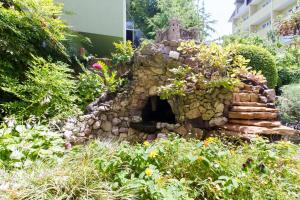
(260, 60)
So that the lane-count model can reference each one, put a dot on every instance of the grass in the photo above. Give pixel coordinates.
(165, 169)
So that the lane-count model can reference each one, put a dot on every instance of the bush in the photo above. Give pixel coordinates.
(28, 28)
(89, 87)
(166, 169)
(21, 145)
(260, 60)
(289, 103)
(123, 52)
(288, 63)
(47, 92)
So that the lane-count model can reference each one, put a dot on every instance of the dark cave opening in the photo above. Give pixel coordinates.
(158, 110)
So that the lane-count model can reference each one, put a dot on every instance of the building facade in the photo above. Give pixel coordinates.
(102, 21)
(260, 16)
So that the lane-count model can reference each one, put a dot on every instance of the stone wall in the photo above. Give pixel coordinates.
(119, 116)
(113, 118)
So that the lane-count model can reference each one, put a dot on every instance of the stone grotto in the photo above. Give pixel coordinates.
(136, 112)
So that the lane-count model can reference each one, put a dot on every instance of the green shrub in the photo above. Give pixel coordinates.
(166, 169)
(21, 145)
(123, 52)
(288, 64)
(89, 87)
(260, 60)
(47, 92)
(289, 103)
(31, 28)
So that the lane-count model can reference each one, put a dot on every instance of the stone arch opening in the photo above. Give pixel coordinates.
(158, 110)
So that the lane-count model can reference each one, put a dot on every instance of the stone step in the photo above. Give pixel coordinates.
(260, 123)
(282, 130)
(245, 97)
(252, 104)
(253, 115)
(252, 109)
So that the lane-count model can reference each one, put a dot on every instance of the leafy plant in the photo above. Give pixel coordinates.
(47, 91)
(289, 103)
(215, 67)
(21, 145)
(89, 86)
(29, 27)
(108, 76)
(288, 63)
(123, 52)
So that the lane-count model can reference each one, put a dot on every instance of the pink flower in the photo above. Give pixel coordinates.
(97, 66)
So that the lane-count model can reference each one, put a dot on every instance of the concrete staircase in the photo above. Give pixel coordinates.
(253, 112)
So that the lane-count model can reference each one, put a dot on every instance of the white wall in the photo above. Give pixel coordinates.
(105, 17)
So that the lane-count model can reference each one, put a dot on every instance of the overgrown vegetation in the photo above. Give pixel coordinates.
(218, 68)
(166, 169)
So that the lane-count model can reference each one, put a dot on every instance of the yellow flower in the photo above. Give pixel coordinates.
(200, 158)
(209, 140)
(153, 154)
(232, 152)
(148, 172)
(146, 144)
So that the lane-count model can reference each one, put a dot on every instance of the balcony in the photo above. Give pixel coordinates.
(261, 15)
(279, 5)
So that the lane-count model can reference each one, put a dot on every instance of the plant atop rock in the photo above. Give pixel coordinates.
(123, 52)
(211, 67)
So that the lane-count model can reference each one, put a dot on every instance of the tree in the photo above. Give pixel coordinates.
(152, 15)
(141, 11)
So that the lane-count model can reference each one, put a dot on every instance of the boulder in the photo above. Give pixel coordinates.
(192, 114)
(270, 94)
(106, 126)
(97, 125)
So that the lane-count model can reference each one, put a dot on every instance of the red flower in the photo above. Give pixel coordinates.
(97, 66)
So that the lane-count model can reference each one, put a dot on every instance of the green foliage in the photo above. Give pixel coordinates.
(260, 60)
(89, 87)
(289, 103)
(140, 12)
(165, 169)
(123, 52)
(158, 13)
(30, 28)
(47, 91)
(288, 64)
(271, 45)
(218, 67)
(109, 77)
(177, 86)
(21, 145)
